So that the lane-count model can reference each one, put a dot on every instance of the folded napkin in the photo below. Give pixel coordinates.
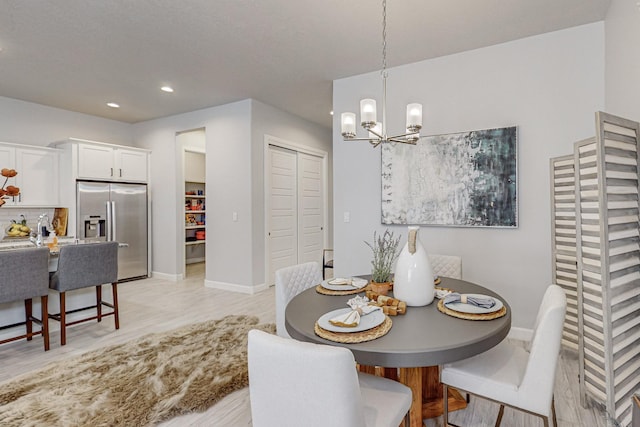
(359, 307)
(483, 302)
(441, 293)
(353, 281)
(358, 282)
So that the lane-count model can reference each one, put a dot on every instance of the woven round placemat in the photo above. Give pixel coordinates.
(471, 316)
(325, 291)
(355, 337)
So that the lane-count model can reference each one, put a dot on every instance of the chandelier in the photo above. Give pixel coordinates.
(368, 117)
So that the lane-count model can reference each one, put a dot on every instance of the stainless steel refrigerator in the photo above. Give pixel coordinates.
(109, 211)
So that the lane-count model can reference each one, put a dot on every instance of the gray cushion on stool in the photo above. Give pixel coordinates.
(24, 274)
(85, 265)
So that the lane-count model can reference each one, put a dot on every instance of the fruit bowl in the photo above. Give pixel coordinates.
(17, 230)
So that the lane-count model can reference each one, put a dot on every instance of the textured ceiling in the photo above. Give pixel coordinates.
(80, 54)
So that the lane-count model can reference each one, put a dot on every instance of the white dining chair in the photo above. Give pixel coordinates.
(511, 375)
(446, 265)
(294, 383)
(290, 281)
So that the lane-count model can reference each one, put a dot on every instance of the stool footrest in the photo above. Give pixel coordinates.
(57, 317)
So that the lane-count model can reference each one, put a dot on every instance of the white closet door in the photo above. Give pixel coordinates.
(283, 209)
(295, 208)
(310, 208)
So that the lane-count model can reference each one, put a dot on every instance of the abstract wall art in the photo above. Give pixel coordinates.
(466, 179)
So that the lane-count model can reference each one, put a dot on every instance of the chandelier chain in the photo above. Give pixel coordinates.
(384, 37)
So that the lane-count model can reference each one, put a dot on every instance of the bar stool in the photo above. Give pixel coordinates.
(84, 266)
(24, 275)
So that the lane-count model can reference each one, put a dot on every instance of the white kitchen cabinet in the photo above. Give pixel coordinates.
(131, 165)
(7, 157)
(38, 173)
(112, 163)
(95, 161)
(37, 176)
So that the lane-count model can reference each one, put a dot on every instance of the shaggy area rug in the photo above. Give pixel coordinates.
(138, 383)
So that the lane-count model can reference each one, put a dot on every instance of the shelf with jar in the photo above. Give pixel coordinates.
(195, 215)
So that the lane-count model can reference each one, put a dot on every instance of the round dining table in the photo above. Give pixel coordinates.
(419, 341)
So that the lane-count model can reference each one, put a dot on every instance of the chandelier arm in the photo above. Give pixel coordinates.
(379, 135)
(403, 141)
(363, 139)
(404, 135)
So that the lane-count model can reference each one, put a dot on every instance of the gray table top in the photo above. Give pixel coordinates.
(422, 337)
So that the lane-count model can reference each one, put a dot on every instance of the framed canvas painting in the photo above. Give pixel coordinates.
(466, 179)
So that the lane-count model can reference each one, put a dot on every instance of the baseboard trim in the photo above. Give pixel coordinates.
(521, 334)
(195, 260)
(234, 287)
(166, 276)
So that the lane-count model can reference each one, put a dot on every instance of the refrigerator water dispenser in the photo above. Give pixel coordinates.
(94, 227)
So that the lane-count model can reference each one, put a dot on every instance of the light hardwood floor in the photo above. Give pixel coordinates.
(155, 305)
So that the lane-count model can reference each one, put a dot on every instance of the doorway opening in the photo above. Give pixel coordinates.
(193, 200)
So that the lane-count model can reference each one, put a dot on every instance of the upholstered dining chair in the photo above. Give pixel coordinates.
(24, 275)
(83, 266)
(446, 265)
(511, 375)
(327, 262)
(293, 383)
(290, 281)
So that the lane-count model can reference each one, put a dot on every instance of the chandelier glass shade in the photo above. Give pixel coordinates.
(377, 131)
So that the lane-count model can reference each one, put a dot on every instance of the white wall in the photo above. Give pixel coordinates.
(234, 147)
(227, 132)
(34, 124)
(622, 71)
(549, 86)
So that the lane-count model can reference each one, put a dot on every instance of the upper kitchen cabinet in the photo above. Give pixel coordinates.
(37, 177)
(106, 162)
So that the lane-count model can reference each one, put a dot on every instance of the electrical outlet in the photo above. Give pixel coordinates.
(347, 217)
(235, 216)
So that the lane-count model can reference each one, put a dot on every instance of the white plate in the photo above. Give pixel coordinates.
(469, 308)
(368, 321)
(340, 285)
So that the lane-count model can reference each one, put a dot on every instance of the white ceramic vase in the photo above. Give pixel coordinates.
(413, 278)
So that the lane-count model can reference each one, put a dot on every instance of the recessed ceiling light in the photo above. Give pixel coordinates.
(331, 112)
(113, 105)
(167, 89)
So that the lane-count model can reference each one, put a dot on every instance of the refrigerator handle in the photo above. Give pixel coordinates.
(109, 223)
(113, 221)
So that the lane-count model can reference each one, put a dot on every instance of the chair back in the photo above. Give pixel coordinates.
(446, 265)
(82, 266)
(290, 281)
(24, 274)
(537, 383)
(293, 383)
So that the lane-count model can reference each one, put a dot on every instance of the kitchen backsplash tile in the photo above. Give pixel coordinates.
(31, 214)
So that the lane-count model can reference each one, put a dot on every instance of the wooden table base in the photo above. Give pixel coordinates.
(426, 388)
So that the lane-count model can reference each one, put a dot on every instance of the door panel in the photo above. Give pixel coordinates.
(310, 208)
(92, 198)
(130, 213)
(282, 215)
